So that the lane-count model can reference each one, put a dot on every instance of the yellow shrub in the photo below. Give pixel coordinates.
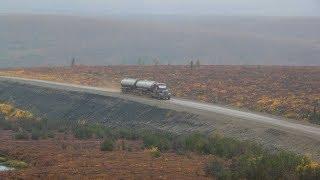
(6, 109)
(13, 113)
(20, 114)
(308, 166)
(155, 152)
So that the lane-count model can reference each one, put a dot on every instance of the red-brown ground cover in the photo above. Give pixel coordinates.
(65, 157)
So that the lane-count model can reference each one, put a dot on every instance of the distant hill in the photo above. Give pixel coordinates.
(38, 40)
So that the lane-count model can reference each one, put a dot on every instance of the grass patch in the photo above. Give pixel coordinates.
(3, 159)
(16, 164)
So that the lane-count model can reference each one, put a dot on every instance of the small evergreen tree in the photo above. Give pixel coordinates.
(198, 63)
(140, 61)
(73, 62)
(156, 61)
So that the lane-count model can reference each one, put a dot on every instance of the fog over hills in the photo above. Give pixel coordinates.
(40, 40)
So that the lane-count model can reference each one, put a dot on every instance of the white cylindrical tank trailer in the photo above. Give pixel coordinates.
(145, 84)
(128, 82)
(128, 85)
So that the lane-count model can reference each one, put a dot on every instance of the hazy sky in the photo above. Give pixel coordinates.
(194, 7)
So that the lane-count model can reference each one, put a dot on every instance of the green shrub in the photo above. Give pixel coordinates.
(51, 134)
(217, 169)
(224, 147)
(35, 134)
(83, 133)
(99, 131)
(107, 145)
(179, 145)
(21, 135)
(127, 134)
(29, 124)
(4, 124)
(250, 161)
(88, 131)
(281, 165)
(196, 142)
(156, 140)
(315, 118)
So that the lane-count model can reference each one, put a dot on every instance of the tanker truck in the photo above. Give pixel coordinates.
(145, 88)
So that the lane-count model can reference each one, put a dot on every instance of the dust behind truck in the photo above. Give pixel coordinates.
(145, 88)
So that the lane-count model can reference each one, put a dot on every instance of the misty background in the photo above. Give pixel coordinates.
(105, 32)
(191, 7)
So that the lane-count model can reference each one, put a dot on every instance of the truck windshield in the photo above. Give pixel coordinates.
(162, 87)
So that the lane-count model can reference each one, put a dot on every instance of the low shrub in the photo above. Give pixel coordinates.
(51, 134)
(83, 133)
(16, 164)
(35, 134)
(162, 141)
(107, 145)
(155, 152)
(179, 145)
(217, 169)
(280, 165)
(92, 130)
(315, 118)
(228, 147)
(127, 134)
(216, 145)
(99, 131)
(4, 124)
(196, 142)
(21, 135)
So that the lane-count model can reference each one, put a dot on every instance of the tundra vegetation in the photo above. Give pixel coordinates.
(231, 159)
(17, 164)
(291, 92)
(23, 123)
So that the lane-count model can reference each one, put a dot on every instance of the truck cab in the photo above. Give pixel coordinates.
(161, 91)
